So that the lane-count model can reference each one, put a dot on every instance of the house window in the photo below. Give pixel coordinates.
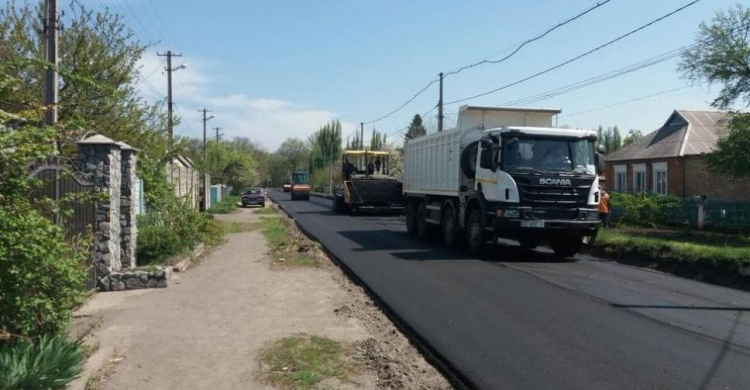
(639, 178)
(621, 177)
(660, 178)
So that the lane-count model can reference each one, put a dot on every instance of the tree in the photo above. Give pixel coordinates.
(378, 140)
(633, 135)
(722, 56)
(295, 153)
(325, 144)
(416, 128)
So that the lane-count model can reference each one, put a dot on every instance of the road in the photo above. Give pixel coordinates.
(522, 320)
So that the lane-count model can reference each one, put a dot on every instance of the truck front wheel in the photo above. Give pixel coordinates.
(411, 219)
(566, 247)
(474, 231)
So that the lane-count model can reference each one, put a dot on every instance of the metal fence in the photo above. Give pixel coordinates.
(59, 177)
(719, 214)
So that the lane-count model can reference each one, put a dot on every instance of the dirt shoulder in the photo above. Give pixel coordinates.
(208, 328)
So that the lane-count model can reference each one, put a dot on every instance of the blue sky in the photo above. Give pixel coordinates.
(276, 69)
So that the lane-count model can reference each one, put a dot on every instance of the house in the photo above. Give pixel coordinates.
(670, 160)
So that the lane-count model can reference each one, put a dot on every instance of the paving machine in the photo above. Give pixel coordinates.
(367, 184)
(300, 188)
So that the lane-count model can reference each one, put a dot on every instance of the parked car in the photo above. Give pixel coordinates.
(288, 187)
(253, 196)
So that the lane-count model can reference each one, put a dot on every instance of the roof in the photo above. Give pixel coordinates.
(685, 133)
(516, 109)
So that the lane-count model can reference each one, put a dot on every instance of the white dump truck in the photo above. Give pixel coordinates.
(504, 173)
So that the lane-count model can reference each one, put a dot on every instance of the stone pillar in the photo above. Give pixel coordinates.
(128, 199)
(100, 157)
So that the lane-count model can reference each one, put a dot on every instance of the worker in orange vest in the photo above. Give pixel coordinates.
(604, 207)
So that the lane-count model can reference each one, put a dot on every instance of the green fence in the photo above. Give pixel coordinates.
(719, 214)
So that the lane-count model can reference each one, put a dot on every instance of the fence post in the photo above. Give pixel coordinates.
(701, 211)
(100, 157)
(129, 197)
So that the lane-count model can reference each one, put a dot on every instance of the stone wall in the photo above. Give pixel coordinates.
(100, 157)
(137, 278)
(128, 200)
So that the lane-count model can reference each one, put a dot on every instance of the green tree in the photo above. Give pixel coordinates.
(295, 152)
(378, 140)
(416, 128)
(722, 56)
(325, 145)
(633, 135)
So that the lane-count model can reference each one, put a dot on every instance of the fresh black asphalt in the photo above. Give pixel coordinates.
(513, 319)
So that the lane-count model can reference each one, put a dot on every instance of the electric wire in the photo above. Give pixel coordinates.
(624, 102)
(576, 58)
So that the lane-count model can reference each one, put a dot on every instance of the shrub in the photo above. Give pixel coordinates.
(644, 209)
(156, 244)
(225, 206)
(48, 363)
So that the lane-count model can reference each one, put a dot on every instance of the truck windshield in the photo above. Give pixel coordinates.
(298, 178)
(548, 155)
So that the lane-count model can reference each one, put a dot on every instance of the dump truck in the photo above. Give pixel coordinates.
(504, 172)
(300, 188)
(368, 184)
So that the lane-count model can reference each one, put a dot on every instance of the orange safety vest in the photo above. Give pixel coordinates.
(604, 203)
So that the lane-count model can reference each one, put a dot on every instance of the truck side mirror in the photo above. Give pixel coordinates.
(601, 149)
(599, 161)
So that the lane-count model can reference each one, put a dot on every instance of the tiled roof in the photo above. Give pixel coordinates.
(685, 133)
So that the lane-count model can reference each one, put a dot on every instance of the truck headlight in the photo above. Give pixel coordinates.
(590, 214)
(513, 213)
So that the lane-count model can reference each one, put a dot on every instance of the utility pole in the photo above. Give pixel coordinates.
(218, 136)
(440, 105)
(362, 135)
(169, 70)
(50, 74)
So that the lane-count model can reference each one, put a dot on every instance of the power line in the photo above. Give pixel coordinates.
(421, 91)
(560, 65)
(600, 78)
(624, 102)
(530, 40)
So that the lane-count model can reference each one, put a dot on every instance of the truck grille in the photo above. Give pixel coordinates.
(565, 214)
(557, 195)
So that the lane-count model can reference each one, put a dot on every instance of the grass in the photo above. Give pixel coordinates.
(284, 247)
(236, 227)
(264, 211)
(224, 206)
(679, 253)
(302, 362)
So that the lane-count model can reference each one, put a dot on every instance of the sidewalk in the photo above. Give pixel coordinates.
(204, 331)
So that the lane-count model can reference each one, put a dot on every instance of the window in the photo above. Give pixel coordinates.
(639, 178)
(621, 178)
(660, 178)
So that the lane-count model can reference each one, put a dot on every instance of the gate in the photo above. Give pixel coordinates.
(60, 177)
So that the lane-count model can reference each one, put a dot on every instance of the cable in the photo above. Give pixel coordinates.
(421, 91)
(536, 38)
(560, 65)
(624, 102)
(600, 78)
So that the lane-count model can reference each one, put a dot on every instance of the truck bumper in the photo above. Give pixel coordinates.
(513, 228)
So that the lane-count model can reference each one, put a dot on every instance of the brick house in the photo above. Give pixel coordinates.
(670, 160)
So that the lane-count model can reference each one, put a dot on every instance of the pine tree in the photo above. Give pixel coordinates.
(416, 128)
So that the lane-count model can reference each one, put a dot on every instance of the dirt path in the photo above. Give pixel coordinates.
(206, 329)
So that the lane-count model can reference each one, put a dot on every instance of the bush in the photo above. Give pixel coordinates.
(225, 206)
(644, 209)
(48, 363)
(156, 244)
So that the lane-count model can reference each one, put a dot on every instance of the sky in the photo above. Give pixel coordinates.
(274, 69)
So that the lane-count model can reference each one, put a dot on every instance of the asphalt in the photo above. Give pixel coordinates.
(515, 319)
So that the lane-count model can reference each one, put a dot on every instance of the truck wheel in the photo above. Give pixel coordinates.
(411, 219)
(448, 225)
(528, 242)
(475, 231)
(422, 220)
(566, 247)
